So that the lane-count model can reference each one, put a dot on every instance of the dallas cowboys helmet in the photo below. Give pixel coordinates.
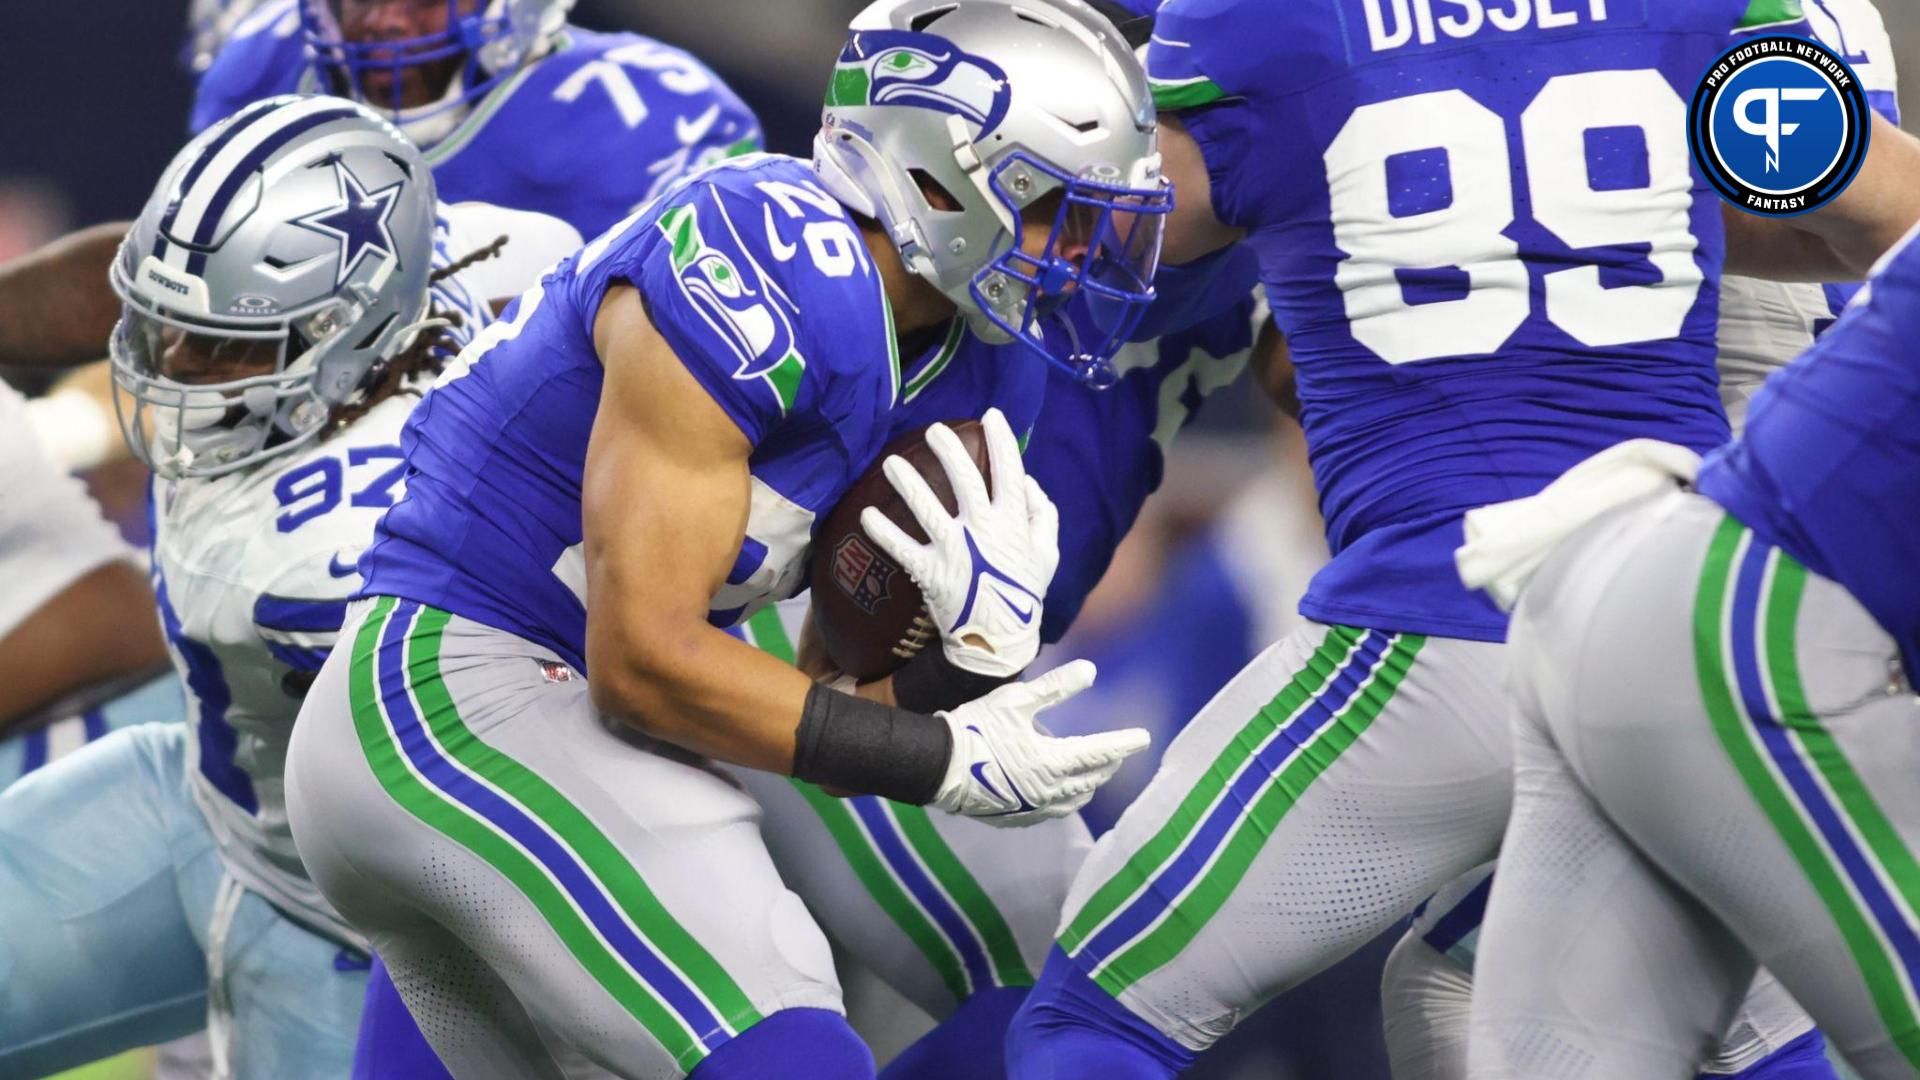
(1003, 103)
(282, 261)
(495, 38)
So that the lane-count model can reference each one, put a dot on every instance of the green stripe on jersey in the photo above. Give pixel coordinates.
(1712, 609)
(1338, 645)
(1281, 793)
(1173, 95)
(1770, 13)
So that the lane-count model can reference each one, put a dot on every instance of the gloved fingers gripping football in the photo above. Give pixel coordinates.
(914, 557)
(1043, 528)
(921, 502)
(1003, 456)
(969, 487)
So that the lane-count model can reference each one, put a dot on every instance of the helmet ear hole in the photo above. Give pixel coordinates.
(936, 193)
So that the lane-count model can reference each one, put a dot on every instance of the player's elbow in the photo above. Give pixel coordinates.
(639, 677)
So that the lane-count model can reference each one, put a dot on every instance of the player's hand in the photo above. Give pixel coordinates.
(1007, 771)
(985, 569)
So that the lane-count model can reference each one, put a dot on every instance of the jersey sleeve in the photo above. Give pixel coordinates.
(1216, 64)
(298, 623)
(726, 292)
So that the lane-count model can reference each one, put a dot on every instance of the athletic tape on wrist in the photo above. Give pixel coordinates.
(931, 682)
(853, 744)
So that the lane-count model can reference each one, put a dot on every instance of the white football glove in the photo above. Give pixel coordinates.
(1007, 771)
(984, 570)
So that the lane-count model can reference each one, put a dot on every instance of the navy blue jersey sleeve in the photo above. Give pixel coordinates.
(727, 266)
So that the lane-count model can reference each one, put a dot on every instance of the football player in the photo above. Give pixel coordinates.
(1427, 989)
(1479, 287)
(657, 427)
(1716, 714)
(955, 914)
(286, 292)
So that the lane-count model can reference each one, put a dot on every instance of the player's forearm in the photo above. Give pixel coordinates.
(56, 308)
(81, 637)
(700, 689)
(1840, 241)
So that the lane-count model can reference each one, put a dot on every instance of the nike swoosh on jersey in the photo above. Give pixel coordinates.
(351, 568)
(781, 251)
(691, 132)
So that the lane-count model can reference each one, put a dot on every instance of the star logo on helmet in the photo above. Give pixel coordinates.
(361, 223)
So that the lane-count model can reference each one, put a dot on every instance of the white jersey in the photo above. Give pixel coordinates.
(253, 571)
(51, 531)
(1765, 324)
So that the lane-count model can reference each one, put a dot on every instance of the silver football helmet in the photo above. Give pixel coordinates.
(283, 260)
(1002, 105)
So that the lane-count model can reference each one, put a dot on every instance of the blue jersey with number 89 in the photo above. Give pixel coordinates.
(1480, 228)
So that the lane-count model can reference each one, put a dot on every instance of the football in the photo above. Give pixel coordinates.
(869, 613)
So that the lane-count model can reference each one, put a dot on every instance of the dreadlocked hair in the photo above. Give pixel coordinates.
(429, 351)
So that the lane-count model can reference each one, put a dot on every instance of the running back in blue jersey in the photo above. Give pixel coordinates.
(1828, 468)
(1480, 230)
(587, 133)
(763, 287)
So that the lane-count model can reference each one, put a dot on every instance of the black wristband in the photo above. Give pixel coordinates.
(851, 743)
(931, 683)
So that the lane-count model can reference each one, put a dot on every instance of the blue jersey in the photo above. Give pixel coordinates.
(1100, 453)
(763, 287)
(1828, 468)
(1479, 227)
(587, 133)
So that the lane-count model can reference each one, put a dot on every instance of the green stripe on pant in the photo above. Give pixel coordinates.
(611, 872)
(1208, 893)
(1713, 605)
(936, 857)
(1335, 649)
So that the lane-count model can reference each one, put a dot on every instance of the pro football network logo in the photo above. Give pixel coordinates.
(861, 573)
(1779, 125)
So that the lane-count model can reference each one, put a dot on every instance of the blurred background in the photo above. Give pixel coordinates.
(97, 101)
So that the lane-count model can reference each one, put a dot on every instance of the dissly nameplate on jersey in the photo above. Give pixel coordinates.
(750, 321)
(1394, 23)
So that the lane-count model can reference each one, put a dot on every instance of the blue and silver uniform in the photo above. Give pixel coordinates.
(1828, 469)
(490, 527)
(644, 112)
(1557, 295)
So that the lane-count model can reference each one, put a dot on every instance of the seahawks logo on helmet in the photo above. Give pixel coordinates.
(902, 67)
(751, 324)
